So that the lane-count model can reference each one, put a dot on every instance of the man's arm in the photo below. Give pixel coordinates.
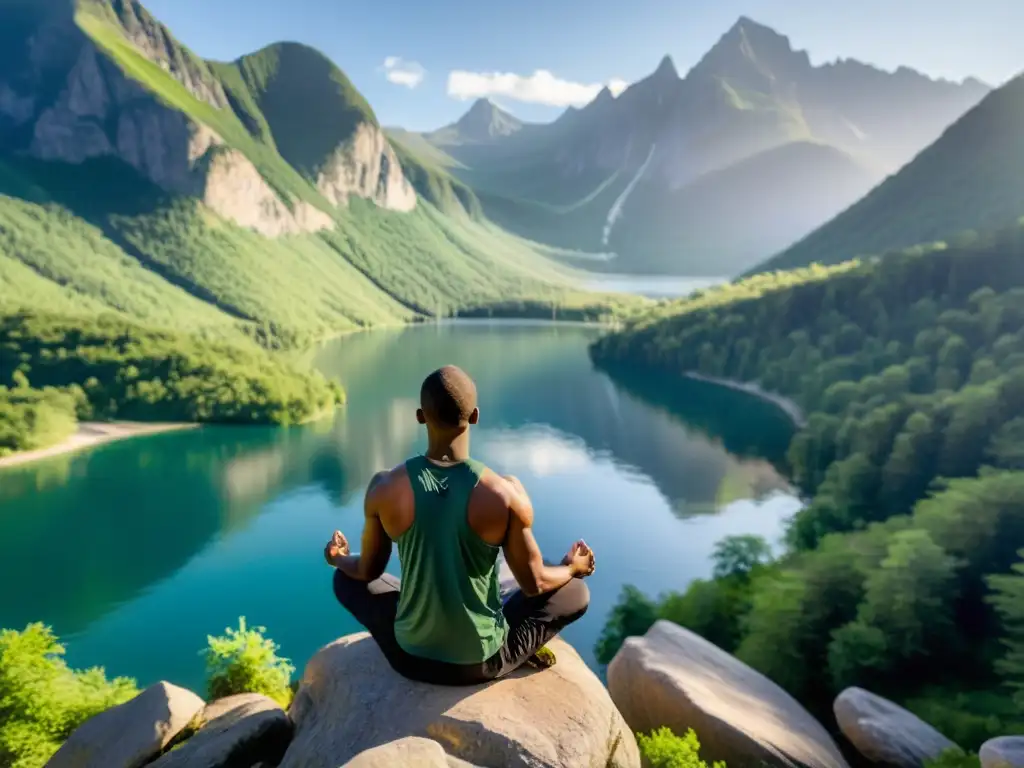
(375, 550)
(524, 556)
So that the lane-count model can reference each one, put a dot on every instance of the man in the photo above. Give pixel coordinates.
(450, 516)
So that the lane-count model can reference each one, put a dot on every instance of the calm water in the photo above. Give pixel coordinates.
(651, 286)
(134, 552)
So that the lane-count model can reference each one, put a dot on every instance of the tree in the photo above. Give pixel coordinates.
(1008, 599)
(739, 555)
(909, 598)
(633, 614)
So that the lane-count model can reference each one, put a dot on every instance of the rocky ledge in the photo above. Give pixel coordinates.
(353, 710)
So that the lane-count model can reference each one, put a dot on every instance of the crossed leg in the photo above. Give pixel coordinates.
(532, 622)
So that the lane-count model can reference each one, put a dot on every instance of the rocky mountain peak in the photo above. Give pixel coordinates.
(486, 120)
(666, 69)
(749, 48)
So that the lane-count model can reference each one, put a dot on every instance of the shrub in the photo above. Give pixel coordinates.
(245, 661)
(663, 749)
(42, 700)
(954, 758)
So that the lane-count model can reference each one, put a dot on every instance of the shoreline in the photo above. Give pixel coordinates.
(786, 405)
(91, 434)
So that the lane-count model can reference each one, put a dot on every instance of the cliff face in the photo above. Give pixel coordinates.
(366, 166)
(67, 99)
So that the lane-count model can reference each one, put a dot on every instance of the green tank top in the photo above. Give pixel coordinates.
(449, 605)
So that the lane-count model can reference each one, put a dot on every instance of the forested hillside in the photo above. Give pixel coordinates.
(56, 369)
(900, 570)
(971, 180)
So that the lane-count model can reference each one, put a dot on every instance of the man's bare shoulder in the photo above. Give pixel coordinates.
(387, 482)
(506, 494)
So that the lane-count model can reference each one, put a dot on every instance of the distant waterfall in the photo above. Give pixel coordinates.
(616, 209)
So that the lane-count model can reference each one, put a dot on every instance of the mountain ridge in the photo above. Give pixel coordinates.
(484, 121)
(750, 93)
(970, 180)
(138, 179)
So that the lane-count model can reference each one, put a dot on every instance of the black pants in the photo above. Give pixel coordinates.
(532, 622)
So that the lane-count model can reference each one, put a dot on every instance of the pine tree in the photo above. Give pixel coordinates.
(1008, 598)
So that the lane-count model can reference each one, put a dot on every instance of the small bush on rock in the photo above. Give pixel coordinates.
(245, 661)
(663, 749)
(42, 700)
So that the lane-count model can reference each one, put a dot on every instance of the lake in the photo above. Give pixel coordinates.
(134, 552)
(651, 286)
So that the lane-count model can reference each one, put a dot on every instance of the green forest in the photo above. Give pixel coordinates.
(55, 370)
(904, 572)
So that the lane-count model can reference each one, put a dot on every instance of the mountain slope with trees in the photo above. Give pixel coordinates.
(970, 180)
(136, 177)
(900, 570)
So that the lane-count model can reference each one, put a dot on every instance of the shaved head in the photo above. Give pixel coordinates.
(448, 398)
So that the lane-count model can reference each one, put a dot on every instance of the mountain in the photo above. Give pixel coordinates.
(261, 194)
(484, 122)
(971, 179)
(569, 181)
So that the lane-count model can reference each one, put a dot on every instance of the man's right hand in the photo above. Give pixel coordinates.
(580, 560)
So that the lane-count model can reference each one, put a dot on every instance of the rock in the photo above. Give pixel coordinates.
(351, 701)
(410, 752)
(366, 166)
(1004, 752)
(672, 677)
(131, 734)
(885, 733)
(237, 730)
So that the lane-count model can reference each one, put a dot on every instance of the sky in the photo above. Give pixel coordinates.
(420, 63)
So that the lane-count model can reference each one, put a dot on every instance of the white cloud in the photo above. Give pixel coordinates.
(617, 86)
(542, 87)
(401, 72)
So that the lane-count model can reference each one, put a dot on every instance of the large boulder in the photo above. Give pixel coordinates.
(351, 701)
(886, 733)
(410, 752)
(131, 734)
(672, 677)
(237, 730)
(1004, 752)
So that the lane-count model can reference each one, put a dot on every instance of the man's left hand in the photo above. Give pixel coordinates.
(336, 547)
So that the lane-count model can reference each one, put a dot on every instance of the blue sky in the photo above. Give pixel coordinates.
(583, 44)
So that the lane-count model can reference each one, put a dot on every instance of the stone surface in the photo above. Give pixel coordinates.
(1004, 752)
(366, 166)
(672, 677)
(237, 730)
(410, 752)
(884, 732)
(131, 734)
(351, 701)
